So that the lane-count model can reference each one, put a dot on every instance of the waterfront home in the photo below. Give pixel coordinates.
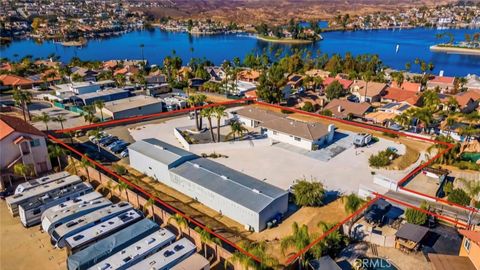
(344, 82)
(21, 143)
(110, 65)
(248, 75)
(473, 82)
(445, 84)
(156, 78)
(343, 109)
(217, 74)
(465, 102)
(368, 92)
(184, 73)
(318, 73)
(408, 86)
(392, 94)
(127, 70)
(13, 81)
(85, 74)
(132, 106)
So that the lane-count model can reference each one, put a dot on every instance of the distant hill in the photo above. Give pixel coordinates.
(279, 11)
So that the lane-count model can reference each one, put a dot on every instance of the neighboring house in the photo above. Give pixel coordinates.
(473, 82)
(132, 106)
(20, 142)
(309, 136)
(10, 81)
(445, 84)
(87, 75)
(318, 73)
(156, 78)
(216, 73)
(408, 86)
(392, 94)
(466, 102)
(80, 88)
(252, 116)
(345, 83)
(248, 75)
(368, 92)
(295, 80)
(105, 96)
(341, 108)
(471, 246)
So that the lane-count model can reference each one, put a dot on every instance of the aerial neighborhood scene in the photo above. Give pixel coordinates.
(247, 134)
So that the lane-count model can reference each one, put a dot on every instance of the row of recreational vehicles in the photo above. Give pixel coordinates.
(96, 233)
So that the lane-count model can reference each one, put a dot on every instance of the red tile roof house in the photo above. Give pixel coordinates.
(467, 102)
(20, 142)
(444, 83)
(392, 94)
(10, 81)
(368, 92)
(409, 86)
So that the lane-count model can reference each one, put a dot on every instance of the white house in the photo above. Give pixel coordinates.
(20, 142)
(279, 128)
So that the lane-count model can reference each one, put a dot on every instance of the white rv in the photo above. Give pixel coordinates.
(84, 238)
(15, 200)
(167, 257)
(30, 212)
(40, 181)
(54, 218)
(85, 198)
(77, 225)
(137, 251)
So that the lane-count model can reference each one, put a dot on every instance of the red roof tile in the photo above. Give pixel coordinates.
(472, 235)
(10, 124)
(442, 79)
(14, 80)
(398, 95)
(345, 83)
(409, 86)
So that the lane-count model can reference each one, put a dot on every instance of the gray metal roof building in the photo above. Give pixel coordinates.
(236, 195)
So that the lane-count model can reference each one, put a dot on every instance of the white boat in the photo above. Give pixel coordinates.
(30, 212)
(397, 48)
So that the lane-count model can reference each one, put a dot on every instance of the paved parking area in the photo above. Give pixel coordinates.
(343, 171)
(72, 119)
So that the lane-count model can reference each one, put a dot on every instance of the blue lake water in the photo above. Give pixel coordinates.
(217, 48)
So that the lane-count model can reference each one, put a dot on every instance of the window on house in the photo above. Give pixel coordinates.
(466, 245)
(297, 139)
(35, 143)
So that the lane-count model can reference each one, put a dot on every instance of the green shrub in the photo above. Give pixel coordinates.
(326, 113)
(467, 165)
(415, 216)
(382, 159)
(119, 169)
(308, 193)
(308, 107)
(447, 188)
(459, 196)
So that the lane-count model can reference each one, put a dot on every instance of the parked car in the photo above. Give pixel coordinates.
(124, 153)
(120, 147)
(104, 139)
(114, 144)
(109, 141)
(94, 139)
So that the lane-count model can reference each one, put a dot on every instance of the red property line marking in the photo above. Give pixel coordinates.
(453, 221)
(143, 117)
(334, 228)
(132, 185)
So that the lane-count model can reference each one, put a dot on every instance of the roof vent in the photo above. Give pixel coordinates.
(196, 165)
(256, 191)
(224, 177)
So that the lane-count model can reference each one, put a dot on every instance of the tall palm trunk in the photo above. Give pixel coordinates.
(23, 112)
(59, 163)
(218, 129)
(211, 128)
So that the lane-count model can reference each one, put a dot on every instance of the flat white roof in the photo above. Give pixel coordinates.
(102, 93)
(194, 262)
(40, 181)
(130, 103)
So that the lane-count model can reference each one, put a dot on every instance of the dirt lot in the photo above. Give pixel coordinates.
(22, 248)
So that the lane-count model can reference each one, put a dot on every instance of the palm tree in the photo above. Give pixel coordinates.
(55, 151)
(403, 119)
(472, 188)
(367, 77)
(90, 113)
(180, 222)
(22, 98)
(206, 238)
(194, 101)
(256, 249)
(60, 119)
(332, 243)
(44, 117)
(208, 113)
(351, 204)
(150, 203)
(219, 112)
(299, 239)
(99, 104)
(122, 186)
(85, 163)
(236, 129)
(22, 169)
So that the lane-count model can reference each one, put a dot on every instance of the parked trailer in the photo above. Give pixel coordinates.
(82, 223)
(85, 238)
(50, 222)
(136, 251)
(167, 257)
(40, 181)
(30, 212)
(15, 200)
(105, 248)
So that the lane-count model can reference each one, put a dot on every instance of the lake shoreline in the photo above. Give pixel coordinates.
(455, 50)
(284, 40)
